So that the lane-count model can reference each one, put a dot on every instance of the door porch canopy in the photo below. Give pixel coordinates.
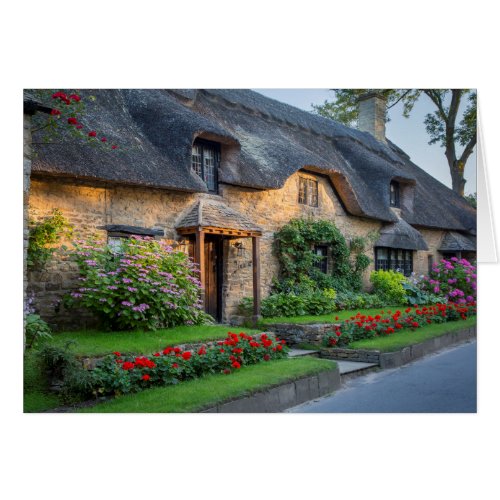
(210, 216)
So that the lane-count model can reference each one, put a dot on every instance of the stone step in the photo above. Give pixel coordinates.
(346, 367)
(294, 353)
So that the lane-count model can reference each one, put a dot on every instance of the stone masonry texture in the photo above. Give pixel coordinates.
(87, 207)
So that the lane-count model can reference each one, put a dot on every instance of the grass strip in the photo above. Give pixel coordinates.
(404, 338)
(194, 395)
(328, 318)
(36, 402)
(99, 343)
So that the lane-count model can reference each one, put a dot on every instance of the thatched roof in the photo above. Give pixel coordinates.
(401, 235)
(264, 142)
(215, 213)
(456, 242)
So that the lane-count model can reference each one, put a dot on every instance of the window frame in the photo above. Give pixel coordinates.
(322, 264)
(393, 262)
(395, 189)
(214, 148)
(308, 191)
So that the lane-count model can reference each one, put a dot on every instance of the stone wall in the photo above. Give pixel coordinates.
(271, 210)
(87, 207)
(26, 192)
(295, 334)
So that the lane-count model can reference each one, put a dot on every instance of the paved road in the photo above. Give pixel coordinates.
(441, 383)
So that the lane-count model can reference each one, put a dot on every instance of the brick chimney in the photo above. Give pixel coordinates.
(372, 110)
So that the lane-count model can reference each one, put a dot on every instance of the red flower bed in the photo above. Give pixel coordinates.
(361, 326)
(118, 374)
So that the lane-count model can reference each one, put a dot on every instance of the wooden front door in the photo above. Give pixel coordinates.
(213, 276)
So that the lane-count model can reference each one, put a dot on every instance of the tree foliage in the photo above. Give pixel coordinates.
(443, 125)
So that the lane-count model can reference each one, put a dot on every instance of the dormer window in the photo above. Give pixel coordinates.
(394, 194)
(205, 159)
(308, 191)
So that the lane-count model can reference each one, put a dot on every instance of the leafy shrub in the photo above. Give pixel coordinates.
(44, 235)
(36, 330)
(454, 278)
(389, 285)
(417, 296)
(118, 374)
(147, 285)
(289, 304)
(362, 326)
(284, 304)
(63, 369)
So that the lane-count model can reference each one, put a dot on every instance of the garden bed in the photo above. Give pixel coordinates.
(209, 392)
(405, 346)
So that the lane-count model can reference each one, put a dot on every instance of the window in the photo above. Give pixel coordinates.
(430, 263)
(321, 251)
(205, 159)
(308, 191)
(394, 194)
(397, 259)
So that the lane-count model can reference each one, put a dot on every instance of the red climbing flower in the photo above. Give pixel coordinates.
(92, 133)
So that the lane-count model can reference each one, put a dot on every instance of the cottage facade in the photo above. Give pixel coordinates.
(217, 172)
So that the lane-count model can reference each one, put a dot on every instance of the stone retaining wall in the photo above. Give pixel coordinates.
(403, 356)
(298, 334)
(283, 396)
(362, 356)
(410, 353)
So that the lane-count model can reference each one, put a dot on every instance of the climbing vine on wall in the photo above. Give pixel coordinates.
(294, 245)
(44, 235)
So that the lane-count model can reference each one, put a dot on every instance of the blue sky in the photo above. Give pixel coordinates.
(408, 133)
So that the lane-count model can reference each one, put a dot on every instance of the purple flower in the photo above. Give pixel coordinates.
(91, 263)
(131, 289)
(127, 303)
(140, 307)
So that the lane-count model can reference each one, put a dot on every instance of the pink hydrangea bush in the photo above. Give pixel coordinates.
(456, 279)
(146, 284)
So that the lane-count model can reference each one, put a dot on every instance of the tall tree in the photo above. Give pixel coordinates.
(444, 125)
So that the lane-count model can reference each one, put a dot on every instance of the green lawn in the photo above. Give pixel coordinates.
(97, 343)
(328, 318)
(36, 402)
(195, 395)
(37, 397)
(404, 338)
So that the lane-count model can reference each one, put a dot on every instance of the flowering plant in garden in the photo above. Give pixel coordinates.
(146, 285)
(119, 374)
(455, 278)
(362, 326)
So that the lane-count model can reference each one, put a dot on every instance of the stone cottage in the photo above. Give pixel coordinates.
(217, 172)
